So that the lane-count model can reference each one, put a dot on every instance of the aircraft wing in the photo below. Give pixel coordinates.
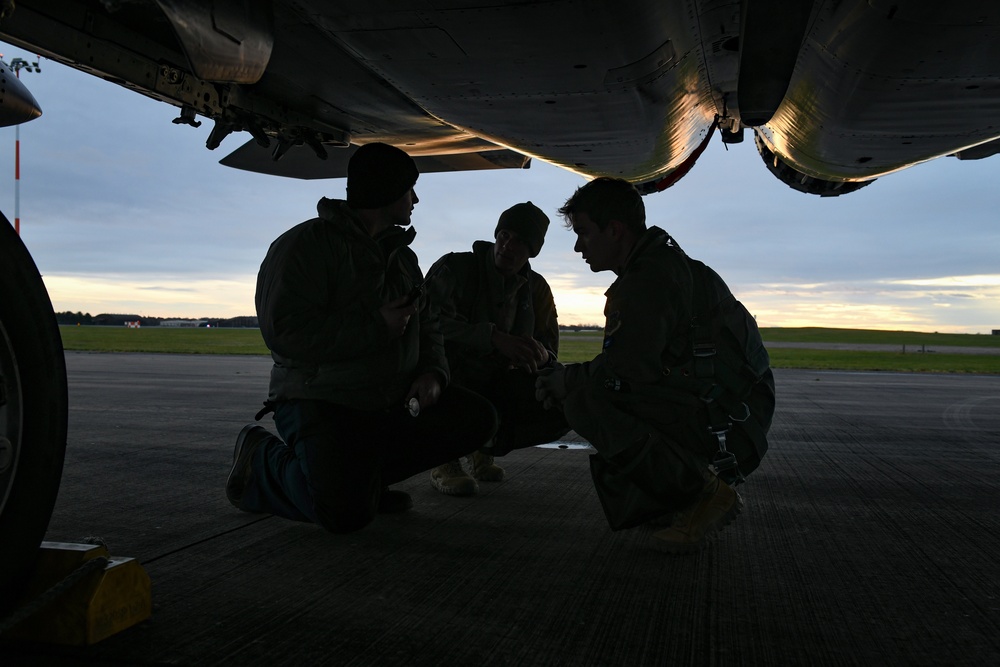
(837, 92)
(302, 162)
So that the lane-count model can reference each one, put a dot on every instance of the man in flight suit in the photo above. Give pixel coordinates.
(653, 441)
(359, 385)
(499, 323)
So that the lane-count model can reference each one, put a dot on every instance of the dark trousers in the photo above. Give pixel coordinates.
(642, 444)
(523, 420)
(335, 461)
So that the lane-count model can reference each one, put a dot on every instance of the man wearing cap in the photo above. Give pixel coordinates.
(499, 323)
(358, 386)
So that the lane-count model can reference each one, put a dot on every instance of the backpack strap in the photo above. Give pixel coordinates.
(721, 374)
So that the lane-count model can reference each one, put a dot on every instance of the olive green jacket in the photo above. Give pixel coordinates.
(319, 291)
(647, 317)
(474, 299)
(646, 412)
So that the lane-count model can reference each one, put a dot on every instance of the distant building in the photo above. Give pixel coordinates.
(996, 332)
(182, 323)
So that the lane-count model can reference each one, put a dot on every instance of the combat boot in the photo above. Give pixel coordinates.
(483, 468)
(452, 480)
(716, 506)
(247, 442)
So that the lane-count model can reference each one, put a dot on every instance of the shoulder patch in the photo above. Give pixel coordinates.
(611, 325)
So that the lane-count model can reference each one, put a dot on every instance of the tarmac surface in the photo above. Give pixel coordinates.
(870, 536)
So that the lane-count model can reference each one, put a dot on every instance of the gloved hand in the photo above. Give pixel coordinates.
(550, 386)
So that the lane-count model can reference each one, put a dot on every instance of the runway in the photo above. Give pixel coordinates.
(870, 536)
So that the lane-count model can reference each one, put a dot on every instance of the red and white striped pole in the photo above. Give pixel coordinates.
(17, 177)
(17, 64)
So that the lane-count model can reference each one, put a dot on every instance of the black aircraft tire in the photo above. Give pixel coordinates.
(33, 411)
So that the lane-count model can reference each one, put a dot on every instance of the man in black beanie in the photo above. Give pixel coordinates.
(499, 323)
(358, 386)
(378, 175)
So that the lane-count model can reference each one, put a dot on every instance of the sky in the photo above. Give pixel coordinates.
(126, 212)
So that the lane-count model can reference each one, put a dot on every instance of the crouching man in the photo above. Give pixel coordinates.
(499, 323)
(359, 383)
(679, 402)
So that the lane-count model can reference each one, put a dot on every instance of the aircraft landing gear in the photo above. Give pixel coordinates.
(33, 411)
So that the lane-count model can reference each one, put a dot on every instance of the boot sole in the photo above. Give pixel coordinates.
(236, 482)
(453, 491)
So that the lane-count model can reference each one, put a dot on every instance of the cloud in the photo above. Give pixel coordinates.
(954, 281)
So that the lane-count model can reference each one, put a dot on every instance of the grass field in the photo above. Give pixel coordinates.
(163, 339)
(582, 346)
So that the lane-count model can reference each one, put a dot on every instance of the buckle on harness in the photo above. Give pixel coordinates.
(703, 359)
(704, 349)
(744, 416)
(724, 463)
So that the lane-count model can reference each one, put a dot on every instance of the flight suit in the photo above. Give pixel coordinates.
(473, 300)
(621, 402)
